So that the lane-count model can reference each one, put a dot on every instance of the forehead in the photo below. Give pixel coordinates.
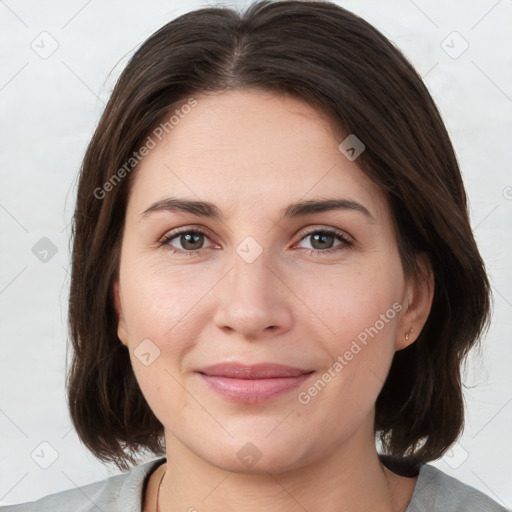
(251, 150)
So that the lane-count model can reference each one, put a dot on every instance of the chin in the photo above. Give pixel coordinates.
(256, 456)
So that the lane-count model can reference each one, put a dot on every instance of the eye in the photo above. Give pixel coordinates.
(191, 241)
(322, 241)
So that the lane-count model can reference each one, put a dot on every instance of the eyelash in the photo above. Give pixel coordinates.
(347, 243)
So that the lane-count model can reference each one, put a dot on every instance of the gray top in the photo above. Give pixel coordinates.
(434, 491)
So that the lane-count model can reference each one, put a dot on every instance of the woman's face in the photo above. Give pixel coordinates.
(263, 283)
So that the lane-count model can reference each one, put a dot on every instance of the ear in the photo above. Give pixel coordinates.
(417, 304)
(122, 331)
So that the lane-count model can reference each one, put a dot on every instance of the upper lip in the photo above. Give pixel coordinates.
(252, 371)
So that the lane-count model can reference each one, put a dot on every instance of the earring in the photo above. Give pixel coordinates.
(407, 334)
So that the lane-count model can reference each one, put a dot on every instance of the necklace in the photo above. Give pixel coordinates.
(165, 472)
(158, 491)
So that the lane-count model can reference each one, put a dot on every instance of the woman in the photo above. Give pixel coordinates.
(273, 267)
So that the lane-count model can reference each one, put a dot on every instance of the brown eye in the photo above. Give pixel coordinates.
(322, 241)
(189, 241)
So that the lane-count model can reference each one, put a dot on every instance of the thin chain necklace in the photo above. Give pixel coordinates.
(165, 472)
(158, 491)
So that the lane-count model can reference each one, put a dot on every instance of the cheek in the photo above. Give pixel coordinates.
(160, 336)
(160, 300)
(362, 320)
(357, 310)
(165, 311)
(346, 300)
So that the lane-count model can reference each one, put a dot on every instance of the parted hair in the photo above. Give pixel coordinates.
(341, 65)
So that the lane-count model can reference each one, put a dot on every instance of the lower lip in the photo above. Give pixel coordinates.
(253, 391)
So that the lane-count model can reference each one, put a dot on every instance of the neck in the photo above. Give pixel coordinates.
(350, 478)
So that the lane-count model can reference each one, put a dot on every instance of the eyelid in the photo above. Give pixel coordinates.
(174, 233)
(303, 233)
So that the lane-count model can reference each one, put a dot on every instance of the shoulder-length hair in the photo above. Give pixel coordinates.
(341, 65)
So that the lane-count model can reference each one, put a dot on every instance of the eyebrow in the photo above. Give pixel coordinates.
(293, 210)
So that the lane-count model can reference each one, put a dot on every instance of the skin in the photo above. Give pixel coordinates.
(252, 153)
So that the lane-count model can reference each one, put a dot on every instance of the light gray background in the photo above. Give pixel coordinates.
(49, 109)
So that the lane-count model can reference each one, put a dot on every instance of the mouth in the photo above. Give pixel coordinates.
(252, 384)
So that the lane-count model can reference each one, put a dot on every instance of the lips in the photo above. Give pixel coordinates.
(252, 384)
(255, 371)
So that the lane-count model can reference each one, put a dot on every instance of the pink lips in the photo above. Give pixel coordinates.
(252, 384)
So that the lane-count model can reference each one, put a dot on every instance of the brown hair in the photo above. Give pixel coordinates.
(337, 62)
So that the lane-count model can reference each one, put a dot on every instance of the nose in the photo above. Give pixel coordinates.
(254, 299)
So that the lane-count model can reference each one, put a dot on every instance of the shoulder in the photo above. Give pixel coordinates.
(435, 490)
(119, 493)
